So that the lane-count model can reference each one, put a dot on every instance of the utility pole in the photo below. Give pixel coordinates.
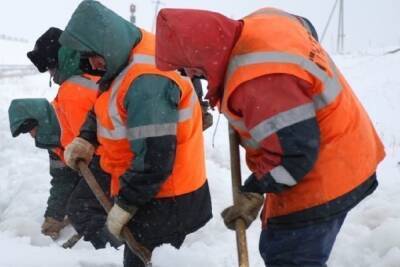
(341, 35)
(156, 7)
(133, 11)
(329, 21)
(340, 30)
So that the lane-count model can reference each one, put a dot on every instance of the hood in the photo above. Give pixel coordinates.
(38, 110)
(204, 40)
(95, 28)
(68, 65)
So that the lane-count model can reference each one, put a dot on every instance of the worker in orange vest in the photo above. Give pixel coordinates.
(149, 125)
(310, 144)
(53, 127)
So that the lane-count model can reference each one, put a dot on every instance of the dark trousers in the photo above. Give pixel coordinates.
(85, 211)
(308, 246)
(168, 221)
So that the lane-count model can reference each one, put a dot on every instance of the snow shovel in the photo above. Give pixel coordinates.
(139, 250)
(240, 226)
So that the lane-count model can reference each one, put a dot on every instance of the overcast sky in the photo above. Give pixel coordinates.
(368, 23)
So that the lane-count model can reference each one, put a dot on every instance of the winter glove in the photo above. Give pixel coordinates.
(51, 227)
(247, 207)
(78, 149)
(117, 218)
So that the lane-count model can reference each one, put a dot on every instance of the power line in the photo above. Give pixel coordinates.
(340, 30)
(329, 20)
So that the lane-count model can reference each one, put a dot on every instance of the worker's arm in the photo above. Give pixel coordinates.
(278, 111)
(152, 116)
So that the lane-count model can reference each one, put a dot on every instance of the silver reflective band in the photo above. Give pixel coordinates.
(332, 86)
(187, 113)
(57, 164)
(84, 82)
(153, 130)
(116, 134)
(119, 131)
(143, 59)
(282, 120)
(332, 90)
(249, 143)
(282, 176)
(238, 124)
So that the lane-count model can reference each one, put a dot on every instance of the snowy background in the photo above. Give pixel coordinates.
(371, 233)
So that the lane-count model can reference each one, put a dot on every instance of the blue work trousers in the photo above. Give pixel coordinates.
(308, 246)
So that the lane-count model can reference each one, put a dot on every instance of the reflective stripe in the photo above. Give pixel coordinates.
(282, 120)
(332, 90)
(87, 83)
(144, 59)
(115, 134)
(187, 113)
(236, 123)
(282, 176)
(153, 130)
(56, 164)
(120, 131)
(332, 86)
(249, 143)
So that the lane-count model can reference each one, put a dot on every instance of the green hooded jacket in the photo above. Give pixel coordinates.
(95, 28)
(68, 65)
(39, 109)
(151, 100)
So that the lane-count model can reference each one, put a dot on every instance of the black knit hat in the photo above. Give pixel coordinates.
(45, 53)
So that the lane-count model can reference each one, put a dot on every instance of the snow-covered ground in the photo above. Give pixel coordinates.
(369, 237)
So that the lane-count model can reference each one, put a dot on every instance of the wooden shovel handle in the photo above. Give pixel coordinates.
(139, 250)
(240, 226)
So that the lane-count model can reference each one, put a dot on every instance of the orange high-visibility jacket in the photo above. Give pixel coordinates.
(116, 156)
(271, 42)
(75, 98)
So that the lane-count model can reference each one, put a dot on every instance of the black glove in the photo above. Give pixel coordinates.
(265, 184)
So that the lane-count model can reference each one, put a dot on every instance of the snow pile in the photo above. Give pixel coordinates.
(370, 235)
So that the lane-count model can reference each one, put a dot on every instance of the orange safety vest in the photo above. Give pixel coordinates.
(116, 157)
(75, 98)
(273, 41)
